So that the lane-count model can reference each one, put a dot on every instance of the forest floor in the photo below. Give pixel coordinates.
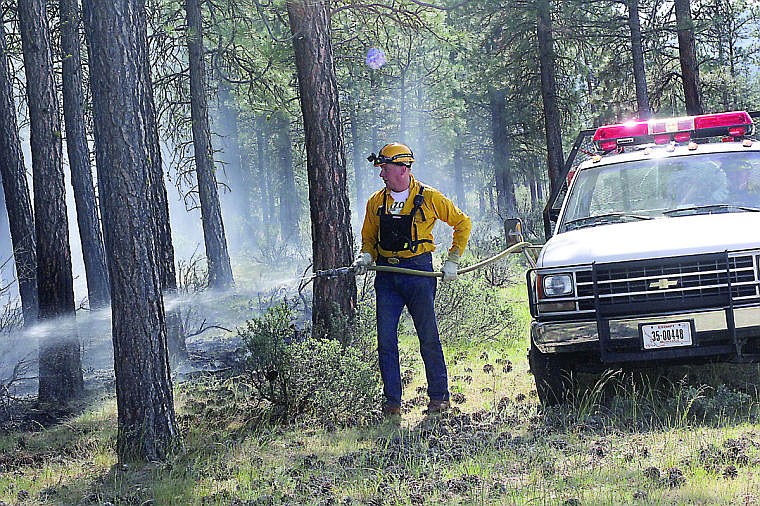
(680, 436)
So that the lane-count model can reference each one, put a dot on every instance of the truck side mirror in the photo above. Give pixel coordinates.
(513, 231)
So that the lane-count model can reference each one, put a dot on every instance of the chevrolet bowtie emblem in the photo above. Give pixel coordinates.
(663, 283)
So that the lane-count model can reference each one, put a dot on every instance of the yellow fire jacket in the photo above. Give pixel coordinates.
(435, 206)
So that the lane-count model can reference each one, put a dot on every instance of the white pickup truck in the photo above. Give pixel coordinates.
(655, 252)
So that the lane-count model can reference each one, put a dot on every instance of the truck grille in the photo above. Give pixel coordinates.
(690, 282)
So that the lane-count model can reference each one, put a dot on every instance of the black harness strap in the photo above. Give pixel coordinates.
(412, 241)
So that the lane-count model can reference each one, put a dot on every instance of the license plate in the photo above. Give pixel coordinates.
(666, 335)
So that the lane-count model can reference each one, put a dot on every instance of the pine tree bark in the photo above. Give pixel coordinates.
(93, 251)
(332, 242)
(555, 158)
(637, 53)
(18, 201)
(117, 41)
(688, 56)
(60, 368)
(219, 268)
(532, 186)
(506, 203)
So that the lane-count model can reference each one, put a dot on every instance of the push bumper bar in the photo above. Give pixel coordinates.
(729, 333)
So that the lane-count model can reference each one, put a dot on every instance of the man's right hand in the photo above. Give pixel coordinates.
(361, 263)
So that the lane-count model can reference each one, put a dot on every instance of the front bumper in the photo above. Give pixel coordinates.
(731, 333)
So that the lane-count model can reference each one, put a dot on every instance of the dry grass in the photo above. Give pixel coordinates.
(683, 441)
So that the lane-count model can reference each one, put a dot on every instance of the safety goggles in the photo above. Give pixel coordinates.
(381, 159)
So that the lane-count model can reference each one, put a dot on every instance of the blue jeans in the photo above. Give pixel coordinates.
(417, 293)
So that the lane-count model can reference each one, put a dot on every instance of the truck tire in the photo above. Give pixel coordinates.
(552, 379)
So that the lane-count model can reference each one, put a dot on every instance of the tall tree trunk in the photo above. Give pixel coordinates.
(332, 241)
(539, 182)
(259, 173)
(18, 202)
(289, 205)
(637, 52)
(219, 268)
(589, 77)
(117, 39)
(230, 154)
(555, 158)
(252, 221)
(265, 176)
(60, 367)
(688, 55)
(506, 203)
(93, 251)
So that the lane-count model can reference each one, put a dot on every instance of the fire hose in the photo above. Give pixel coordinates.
(522, 246)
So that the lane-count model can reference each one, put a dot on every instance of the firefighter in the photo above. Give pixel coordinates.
(397, 231)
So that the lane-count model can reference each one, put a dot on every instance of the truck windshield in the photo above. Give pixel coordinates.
(667, 187)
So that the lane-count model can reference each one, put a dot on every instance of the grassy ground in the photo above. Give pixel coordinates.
(682, 440)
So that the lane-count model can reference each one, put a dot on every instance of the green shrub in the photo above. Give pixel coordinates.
(723, 404)
(470, 310)
(305, 378)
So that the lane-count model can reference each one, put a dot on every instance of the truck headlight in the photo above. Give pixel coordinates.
(557, 285)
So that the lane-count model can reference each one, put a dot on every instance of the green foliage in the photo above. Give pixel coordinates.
(471, 311)
(305, 378)
(721, 404)
(486, 241)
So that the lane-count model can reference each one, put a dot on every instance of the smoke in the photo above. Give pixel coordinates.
(211, 319)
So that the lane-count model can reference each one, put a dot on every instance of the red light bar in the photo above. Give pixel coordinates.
(630, 129)
(670, 125)
(724, 119)
(735, 124)
(607, 138)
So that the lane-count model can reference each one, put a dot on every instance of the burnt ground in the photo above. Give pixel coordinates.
(19, 410)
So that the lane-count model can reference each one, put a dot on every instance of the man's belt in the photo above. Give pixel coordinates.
(401, 260)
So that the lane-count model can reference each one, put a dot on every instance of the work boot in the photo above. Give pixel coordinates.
(435, 406)
(390, 410)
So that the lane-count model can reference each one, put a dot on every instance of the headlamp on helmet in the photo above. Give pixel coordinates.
(395, 152)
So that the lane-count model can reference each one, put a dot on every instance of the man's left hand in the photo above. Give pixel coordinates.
(450, 267)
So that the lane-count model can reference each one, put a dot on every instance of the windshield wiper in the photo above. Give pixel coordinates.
(603, 219)
(710, 209)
